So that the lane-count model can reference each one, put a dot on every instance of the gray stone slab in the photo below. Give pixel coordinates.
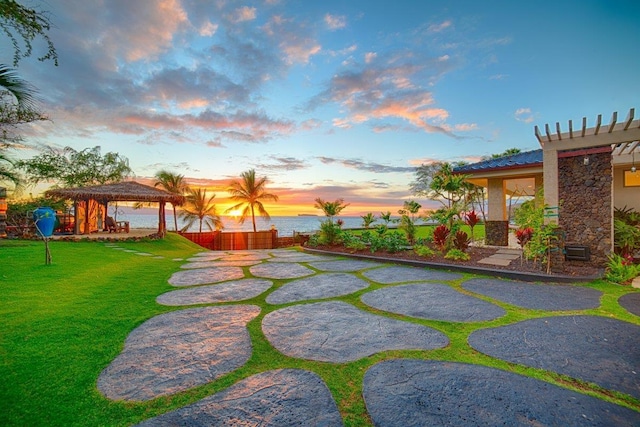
(245, 256)
(316, 287)
(591, 348)
(509, 251)
(201, 276)
(238, 290)
(508, 256)
(403, 392)
(398, 274)
(536, 296)
(495, 261)
(285, 397)
(344, 265)
(220, 263)
(179, 350)
(338, 332)
(280, 270)
(432, 301)
(299, 257)
(631, 302)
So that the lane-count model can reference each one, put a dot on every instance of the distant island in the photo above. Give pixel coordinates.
(307, 215)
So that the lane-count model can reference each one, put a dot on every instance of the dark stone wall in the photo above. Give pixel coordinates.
(496, 233)
(584, 192)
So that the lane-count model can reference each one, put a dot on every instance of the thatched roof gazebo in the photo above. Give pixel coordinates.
(92, 199)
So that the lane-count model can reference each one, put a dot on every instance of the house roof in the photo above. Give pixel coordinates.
(121, 192)
(514, 161)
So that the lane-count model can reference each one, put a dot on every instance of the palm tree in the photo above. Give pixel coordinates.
(250, 193)
(23, 92)
(330, 209)
(174, 184)
(368, 219)
(200, 208)
(13, 89)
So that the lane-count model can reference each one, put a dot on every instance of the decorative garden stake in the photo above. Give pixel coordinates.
(44, 219)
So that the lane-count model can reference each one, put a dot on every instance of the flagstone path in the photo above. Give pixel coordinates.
(188, 347)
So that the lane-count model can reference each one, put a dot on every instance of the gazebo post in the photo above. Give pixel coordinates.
(161, 219)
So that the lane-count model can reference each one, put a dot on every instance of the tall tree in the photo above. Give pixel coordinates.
(71, 168)
(20, 22)
(200, 208)
(250, 192)
(22, 25)
(173, 183)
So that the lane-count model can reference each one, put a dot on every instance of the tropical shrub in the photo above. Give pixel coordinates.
(461, 241)
(408, 219)
(352, 241)
(440, 236)
(626, 237)
(621, 269)
(423, 250)
(457, 255)
(395, 242)
(329, 233)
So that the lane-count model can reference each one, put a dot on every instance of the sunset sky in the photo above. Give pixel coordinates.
(327, 98)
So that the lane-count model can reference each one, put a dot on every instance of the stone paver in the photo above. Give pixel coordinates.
(285, 397)
(280, 271)
(536, 296)
(317, 287)
(179, 350)
(631, 302)
(182, 349)
(220, 263)
(591, 348)
(345, 265)
(201, 276)
(257, 256)
(432, 301)
(238, 290)
(397, 274)
(495, 261)
(297, 257)
(338, 332)
(405, 392)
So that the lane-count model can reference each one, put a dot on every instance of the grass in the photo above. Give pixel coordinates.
(62, 324)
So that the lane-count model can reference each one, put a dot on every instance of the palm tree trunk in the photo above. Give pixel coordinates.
(175, 218)
(253, 218)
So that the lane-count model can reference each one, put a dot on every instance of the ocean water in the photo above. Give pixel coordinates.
(286, 225)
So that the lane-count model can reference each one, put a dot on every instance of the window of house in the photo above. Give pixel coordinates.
(632, 179)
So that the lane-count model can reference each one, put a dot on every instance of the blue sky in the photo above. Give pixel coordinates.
(328, 99)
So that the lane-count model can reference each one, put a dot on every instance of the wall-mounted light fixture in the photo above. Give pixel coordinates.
(633, 162)
(586, 161)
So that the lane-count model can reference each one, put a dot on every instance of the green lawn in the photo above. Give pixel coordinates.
(62, 324)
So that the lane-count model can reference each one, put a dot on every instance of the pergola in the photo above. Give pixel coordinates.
(119, 192)
(619, 139)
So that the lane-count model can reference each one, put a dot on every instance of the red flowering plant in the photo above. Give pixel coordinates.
(440, 236)
(524, 236)
(471, 219)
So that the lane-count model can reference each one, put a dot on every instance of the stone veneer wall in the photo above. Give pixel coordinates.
(585, 203)
(496, 233)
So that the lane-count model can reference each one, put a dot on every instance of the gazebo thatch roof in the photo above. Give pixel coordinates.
(120, 192)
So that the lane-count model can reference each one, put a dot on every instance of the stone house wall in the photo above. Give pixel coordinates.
(586, 206)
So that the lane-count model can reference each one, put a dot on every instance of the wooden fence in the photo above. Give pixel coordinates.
(239, 240)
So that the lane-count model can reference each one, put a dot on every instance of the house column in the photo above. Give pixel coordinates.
(497, 226)
(550, 172)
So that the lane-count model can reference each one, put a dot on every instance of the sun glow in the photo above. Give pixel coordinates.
(235, 213)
